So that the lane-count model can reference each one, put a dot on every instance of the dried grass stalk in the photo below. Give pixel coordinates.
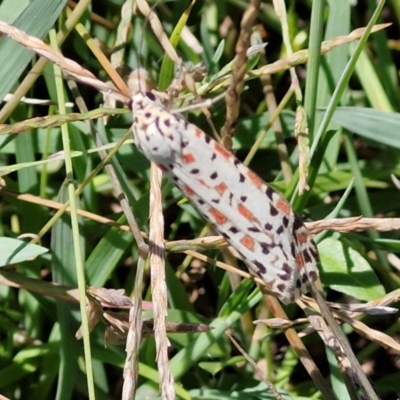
(238, 73)
(158, 284)
(71, 67)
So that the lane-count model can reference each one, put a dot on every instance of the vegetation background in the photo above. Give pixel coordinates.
(352, 172)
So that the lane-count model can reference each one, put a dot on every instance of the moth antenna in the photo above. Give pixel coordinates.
(139, 80)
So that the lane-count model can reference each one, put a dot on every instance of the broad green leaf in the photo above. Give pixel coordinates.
(14, 251)
(36, 19)
(346, 271)
(214, 367)
(379, 126)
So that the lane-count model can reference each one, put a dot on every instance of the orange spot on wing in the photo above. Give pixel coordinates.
(300, 261)
(255, 179)
(283, 206)
(188, 190)
(219, 149)
(198, 133)
(301, 238)
(189, 158)
(221, 188)
(219, 218)
(247, 242)
(246, 212)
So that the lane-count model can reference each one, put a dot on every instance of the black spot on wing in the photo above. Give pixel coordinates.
(269, 192)
(307, 257)
(268, 226)
(287, 275)
(314, 251)
(214, 175)
(297, 223)
(265, 247)
(273, 211)
(260, 267)
(312, 276)
(150, 96)
(293, 250)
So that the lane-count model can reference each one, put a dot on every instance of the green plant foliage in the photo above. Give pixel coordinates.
(353, 156)
(14, 251)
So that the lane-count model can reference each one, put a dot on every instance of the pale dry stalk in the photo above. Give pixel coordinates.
(352, 372)
(50, 121)
(342, 225)
(158, 284)
(298, 346)
(301, 124)
(257, 370)
(300, 57)
(239, 68)
(271, 103)
(71, 67)
(123, 30)
(37, 69)
(354, 224)
(134, 337)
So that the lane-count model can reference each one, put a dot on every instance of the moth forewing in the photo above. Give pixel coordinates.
(251, 216)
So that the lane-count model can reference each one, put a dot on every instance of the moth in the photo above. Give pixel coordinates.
(255, 220)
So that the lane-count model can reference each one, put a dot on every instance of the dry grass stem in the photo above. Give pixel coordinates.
(303, 144)
(110, 170)
(84, 76)
(69, 66)
(301, 124)
(134, 337)
(299, 57)
(354, 224)
(343, 225)
(51, 121)
(271, 103)
(158, 31)
(299, 347)
(40, 102)
(257, 370)
(37, 69)
(129, 328)
(348, 312)
(239, 68)
(349, 376)
(352, 373)
(123, 31)
(106, 298)
(158, 283)
(373, 335)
